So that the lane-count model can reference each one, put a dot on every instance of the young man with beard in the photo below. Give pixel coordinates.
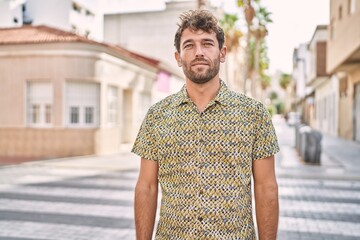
(203, 145)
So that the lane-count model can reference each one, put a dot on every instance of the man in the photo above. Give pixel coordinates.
(203, 145)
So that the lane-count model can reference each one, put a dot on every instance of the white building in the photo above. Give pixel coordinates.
(148, 31)
(68, 15)
(300, 74)
(324, 101)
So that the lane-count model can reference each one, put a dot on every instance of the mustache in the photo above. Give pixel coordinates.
(199, 60)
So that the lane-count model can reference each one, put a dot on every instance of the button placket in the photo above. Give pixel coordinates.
(201, 164)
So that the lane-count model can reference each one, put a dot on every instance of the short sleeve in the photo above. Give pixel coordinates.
(265, 142)
(146, 143)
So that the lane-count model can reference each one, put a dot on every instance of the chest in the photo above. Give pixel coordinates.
(218, 133)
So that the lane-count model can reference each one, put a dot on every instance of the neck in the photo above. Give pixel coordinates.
(202, 94)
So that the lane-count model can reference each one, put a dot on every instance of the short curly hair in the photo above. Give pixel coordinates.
(199, 20)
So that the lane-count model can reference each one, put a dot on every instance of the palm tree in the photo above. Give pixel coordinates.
(232, 34)
(232, 42)
(285, 80)
(256, 53)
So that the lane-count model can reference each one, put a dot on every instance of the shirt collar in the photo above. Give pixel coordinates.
(221, 97)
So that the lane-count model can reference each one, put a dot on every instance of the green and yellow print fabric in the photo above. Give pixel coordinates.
(205, 163)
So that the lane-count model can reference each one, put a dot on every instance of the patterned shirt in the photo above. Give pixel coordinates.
(205, 163)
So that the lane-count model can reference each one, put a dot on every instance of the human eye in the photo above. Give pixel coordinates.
(208, 44)
(188, 46)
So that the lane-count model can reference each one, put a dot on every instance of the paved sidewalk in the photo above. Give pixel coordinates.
(340, 158)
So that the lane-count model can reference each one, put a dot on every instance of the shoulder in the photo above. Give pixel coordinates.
(245, 102)
(159, 108)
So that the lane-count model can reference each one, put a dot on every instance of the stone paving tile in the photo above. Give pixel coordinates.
(288, 235)
(65, 199)
(68, 184)
(22, 238)
(74, 192)
(321, 199)
(68, 219)
(95, 210)
(319, 209)
(20, 229)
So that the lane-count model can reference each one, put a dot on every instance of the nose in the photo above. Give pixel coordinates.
(199, 52)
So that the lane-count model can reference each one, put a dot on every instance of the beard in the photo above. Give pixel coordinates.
(201, 76)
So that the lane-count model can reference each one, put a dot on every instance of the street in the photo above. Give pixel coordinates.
(92, 198)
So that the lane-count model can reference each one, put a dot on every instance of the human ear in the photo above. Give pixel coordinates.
(178, 59)
(223, 51)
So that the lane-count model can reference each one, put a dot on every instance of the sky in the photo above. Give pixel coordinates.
(294, 22)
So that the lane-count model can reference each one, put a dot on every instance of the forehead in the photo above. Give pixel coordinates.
(197, 35)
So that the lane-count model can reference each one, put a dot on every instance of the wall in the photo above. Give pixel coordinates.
(53, 13)
(326, 102)
(8, 13)
(149, 33)
(345, 32)
(58, 63)
(345, 109)
(46, 143)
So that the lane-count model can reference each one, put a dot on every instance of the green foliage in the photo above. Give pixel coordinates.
(273, 96)
(272, 110)
(265, 81)
(263, 15)
(285, 80)
(280, 107)
(232, 34)
(229, 20)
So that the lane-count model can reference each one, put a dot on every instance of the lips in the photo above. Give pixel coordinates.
(199, 63)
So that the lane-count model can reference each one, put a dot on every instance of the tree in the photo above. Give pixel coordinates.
(257, 18)
(232, 34)
(285, 80)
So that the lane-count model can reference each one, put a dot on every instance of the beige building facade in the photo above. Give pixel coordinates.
(343, 61)
(64, 95)
(323, 101)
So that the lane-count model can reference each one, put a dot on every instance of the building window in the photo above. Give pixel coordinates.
(112, 99)
(74, 115)
(351, 6)
(35, 113)
(89, 115)
(39, 104)
(47, 113)
(82, 104)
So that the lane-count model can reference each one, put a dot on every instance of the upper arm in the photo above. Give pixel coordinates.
(264, 171)
(148, 176)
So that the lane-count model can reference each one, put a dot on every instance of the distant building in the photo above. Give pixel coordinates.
(65, 95)
(300, 74)
(343, 63)
(323, 102)
(68, 15)
(149, 32)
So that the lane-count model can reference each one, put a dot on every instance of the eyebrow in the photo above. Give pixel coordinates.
(203, 40)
